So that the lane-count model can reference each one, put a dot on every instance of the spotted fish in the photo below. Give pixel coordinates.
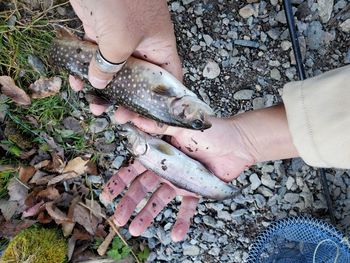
(173, 165)
(140, 86)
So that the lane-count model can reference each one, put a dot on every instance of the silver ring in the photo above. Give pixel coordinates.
(105, 65)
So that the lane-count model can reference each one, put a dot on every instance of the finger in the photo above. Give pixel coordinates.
(123, 115)
(97, 109)
(156, 203)
(183, 222)
(173, 65)
(146, 182)
(75, 83)
(120, 180)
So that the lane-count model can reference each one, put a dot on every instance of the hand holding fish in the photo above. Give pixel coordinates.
(227, 148)
(123, 28)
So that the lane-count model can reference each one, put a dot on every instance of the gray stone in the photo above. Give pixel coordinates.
(211, 70)
(190, 250)
(208, 237)
(208, 39)
(118, 161)
(37, 64)
(281, 17)
(285, 45)
(98, 125)
(345, 26)
(247, 11)
(314, 35)
(208, 220)
(244, 94)
(238, 213)
(215, 251)
(291, 198)
(267, 181)
(204, 95)
(254, 181)
(110, 136)
(265, 191)
(325, 8)
(258, 103)
(246, 43)
(224, 215)
(290, 182)
(274, 33)
(259, 200)
(275, 74)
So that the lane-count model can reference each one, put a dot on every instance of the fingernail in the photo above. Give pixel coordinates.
(116, 222)
(97, 82)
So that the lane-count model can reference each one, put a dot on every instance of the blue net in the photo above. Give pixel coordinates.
(300, 240)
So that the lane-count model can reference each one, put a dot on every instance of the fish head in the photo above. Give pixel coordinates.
(192, 112)
(134, 140)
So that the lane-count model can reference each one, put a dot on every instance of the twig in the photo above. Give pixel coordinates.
(114, 227)
(26, 186)
(102, 249)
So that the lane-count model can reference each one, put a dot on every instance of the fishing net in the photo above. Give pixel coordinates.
(300, 240)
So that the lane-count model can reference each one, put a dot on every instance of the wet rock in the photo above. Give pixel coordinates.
(275, 74)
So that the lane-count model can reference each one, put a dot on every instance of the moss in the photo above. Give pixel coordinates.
(36, 245)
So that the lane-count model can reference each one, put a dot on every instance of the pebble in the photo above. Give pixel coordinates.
(267, 181)
(255, 181)
(314, 35)
(37, 64)
(281, 17)
(291, 198)
(190, 250)
(345, 26)
(215, 251)
(244, 94)
(275, 74)
(211, 70)
(258, 103)
(325, 8)
(118, 161)
(274, 33)
(285, 45)
(208, 39)
(290, 182)
(98, 125)
(246, 43)
(247, 11)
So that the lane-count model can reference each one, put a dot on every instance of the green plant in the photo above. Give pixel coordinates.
(144, 254)
(36, 245)
(118, 250)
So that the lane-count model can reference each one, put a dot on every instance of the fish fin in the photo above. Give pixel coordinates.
(164, 91)
(165, 148)
(95, 98)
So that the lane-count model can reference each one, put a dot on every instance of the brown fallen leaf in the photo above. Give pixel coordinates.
(63, 177)
(57, 215)
(42, 164)
(56, 164)
(11, 228)
(41, 178)
(68, 227)
(26, 173)
(17, 192)
(49, 194)
(34, 210)
(95, 209)
(77, 165)
(81, 234)
(71, 246)
(45, 87)
(83, 217)
(8, 208)
(102, 249)
(9, 88)
(26, 154)
(7, 167)
(44, 217)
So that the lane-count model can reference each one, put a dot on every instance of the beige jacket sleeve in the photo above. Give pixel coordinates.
(318, 113)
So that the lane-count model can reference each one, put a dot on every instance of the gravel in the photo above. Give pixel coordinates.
(237, 56)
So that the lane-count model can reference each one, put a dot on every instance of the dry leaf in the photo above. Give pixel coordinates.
(68, 227)
(56, 213)
(8, 208)
(9, 229)
(42, 164)
(41, 178)
(7, 167)
(45, 87)
(71, 246)
(62, 177)
(44, 218)
(77, 165)
(56, 165)
(50, 193)
(34, 210)
(27, 154)
(81, 234)
(9, 88)
(84, 218)
(26, 173)
(102, 249)
(17, 192)
(96, 209)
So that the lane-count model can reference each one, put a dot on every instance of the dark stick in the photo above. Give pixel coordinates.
(301, 72)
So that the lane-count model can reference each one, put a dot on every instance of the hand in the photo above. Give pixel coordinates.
(227, 148)
(124, 28)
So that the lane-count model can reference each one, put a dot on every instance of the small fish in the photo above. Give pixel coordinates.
(173, 165)
(139, 86)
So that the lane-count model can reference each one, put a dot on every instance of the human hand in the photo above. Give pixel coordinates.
(220, 148)
(124, 28)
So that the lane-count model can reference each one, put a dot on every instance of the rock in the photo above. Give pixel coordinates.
(325, 8)
(274, 33)
(244, 94)
(291, 198)
(258, 103)
(175, 6)
(118, 161)
(281, 17)
(72, 124)
(37, 64)
(208, 39)
(211, 70)
(314, 35)
(260, 200)
(265, 191)
(238, 213)
(204, 95)
(254, 181)
(215, 251)
(275, 74)
(11, 22)
(290, 182)
(110, 136)
(208, 220)
(224, 215)
(345, 26)
(246, 43)
(274, 2)
(247, 11)
(190, 250)
(267, 181)
(186, 2)
(98, 125)
(61, 11)
(285, 45)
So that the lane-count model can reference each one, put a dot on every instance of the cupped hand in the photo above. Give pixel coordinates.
(124, 28)
(221, 148)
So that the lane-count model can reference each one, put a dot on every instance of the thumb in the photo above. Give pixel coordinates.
(109, 59)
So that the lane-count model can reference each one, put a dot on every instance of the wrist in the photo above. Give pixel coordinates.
(265, 134)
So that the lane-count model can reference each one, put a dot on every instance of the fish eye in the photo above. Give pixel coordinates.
(197, 124)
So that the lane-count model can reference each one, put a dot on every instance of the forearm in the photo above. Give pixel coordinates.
(266, 133)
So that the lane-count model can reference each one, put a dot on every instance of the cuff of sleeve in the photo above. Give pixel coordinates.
(300, 125)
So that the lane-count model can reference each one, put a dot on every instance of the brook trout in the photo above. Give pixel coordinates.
(140, 86)
(175, 166)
